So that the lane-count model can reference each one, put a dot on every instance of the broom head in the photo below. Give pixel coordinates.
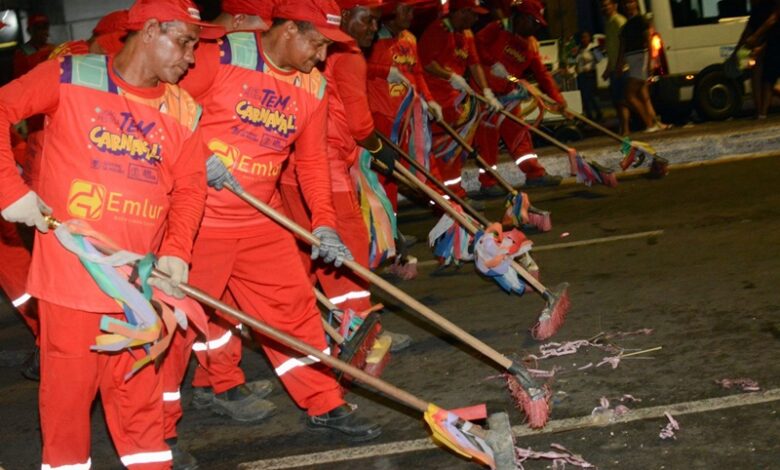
(404, 267)
(659, 168)
(358, 347)
(554, 314)
(540, 219)
(532, 398)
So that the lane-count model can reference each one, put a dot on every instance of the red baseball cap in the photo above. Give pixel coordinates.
(325, 15)
(111, 23)
(473, 5)
(262, 8)
(534, 8)
(170, 10)
(35, 20)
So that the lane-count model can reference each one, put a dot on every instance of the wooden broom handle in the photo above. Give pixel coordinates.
(369, 276)
(417, 166)
(270, 332)
(531, 128)
(470, 150)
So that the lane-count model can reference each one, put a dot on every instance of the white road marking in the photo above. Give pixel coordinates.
(561, 425)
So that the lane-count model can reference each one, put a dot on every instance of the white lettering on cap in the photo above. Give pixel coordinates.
(194, 13)
(333, 19)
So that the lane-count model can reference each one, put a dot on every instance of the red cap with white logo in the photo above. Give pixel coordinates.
(170, 10)
(535, 8)
(325, 15)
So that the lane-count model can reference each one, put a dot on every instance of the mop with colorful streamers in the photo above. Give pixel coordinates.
(377, 211)
(450, 241)
(144, 327)
(494, 251)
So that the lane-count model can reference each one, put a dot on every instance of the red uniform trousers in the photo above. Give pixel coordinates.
(71, 376)
(264, 277)
(517, 140)
(343, 287)
(173, 370)
(224, 345)
(13, 274)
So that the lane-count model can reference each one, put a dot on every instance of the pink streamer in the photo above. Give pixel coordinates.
(668, 431)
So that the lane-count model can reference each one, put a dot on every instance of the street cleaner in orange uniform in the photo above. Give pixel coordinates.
(397, 92)
(447, 52)
(147, 196)
(507, 48)
(261, 95)
(236, 15)
(350, 131)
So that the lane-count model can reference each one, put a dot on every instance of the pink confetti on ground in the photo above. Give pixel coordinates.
(560, 349)
(560, 457)
(614, 361)
(544, 374)
(565, 234)
(606, 413)
(668, 431)
(747, 385)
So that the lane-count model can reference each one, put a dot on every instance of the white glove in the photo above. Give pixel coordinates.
(499, 70)
(396, 76)
(28, 210)
(178, 272)
(459, 83)
(331, 247)
(435, 109)
(492, 102)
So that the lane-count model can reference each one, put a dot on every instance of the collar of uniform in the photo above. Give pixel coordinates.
(143, 92)
(505, 24)
(448, 25)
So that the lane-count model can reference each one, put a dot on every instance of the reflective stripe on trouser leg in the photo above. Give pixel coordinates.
(294, 362)
(280, 295)
(146, 457)
(76, 466)
(213, 344)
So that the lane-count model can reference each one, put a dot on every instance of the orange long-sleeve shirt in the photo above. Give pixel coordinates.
(123, 158)
(517, 54)
(400, 52)
(254, 113)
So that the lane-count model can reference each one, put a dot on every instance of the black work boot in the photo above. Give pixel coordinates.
(344, 419)
(241, 404)
(182, 460)
(203, 397)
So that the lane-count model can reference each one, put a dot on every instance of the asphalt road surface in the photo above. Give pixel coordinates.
(705, 287)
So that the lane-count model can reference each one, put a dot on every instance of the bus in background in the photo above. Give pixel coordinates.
(691, 41)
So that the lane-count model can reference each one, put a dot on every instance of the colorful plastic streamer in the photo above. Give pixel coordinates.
(377, 212)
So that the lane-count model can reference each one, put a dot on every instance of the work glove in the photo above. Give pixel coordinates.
(218, 175)
(396, 76)
(435, 109)
(499, 70)
(178, 272)
(492, 102)
(386, 155)
(459, 83)
(331, 247)
(28, 210)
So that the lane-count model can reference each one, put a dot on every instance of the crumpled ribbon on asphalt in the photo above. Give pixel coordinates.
(554, 349)
(560, 457)
(668, 431)
(748, 385)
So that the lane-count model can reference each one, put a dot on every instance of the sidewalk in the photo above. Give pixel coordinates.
(693, 143)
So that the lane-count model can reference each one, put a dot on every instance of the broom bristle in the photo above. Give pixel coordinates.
(536, 408)
(378, 357)
(554, 314)
(405, 270)
(541, 220)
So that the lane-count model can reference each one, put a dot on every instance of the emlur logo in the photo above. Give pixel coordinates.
(85, 200)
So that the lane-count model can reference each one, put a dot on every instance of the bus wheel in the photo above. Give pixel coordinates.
(717, 97)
